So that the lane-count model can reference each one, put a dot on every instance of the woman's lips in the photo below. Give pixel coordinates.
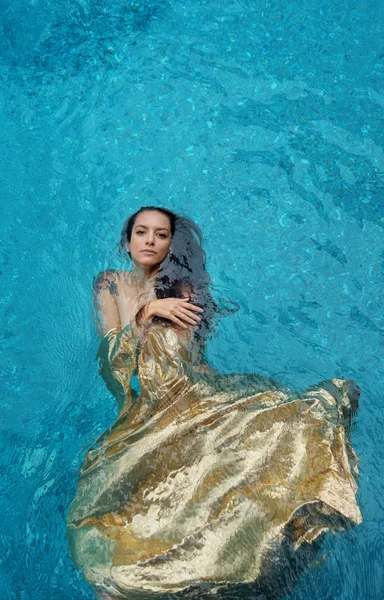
(148, 252)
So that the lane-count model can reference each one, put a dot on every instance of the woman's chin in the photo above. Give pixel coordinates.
(147, 262)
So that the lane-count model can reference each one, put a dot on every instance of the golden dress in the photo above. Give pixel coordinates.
(207, 480)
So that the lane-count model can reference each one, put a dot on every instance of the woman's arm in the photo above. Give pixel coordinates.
(105, 290)
(180, 311)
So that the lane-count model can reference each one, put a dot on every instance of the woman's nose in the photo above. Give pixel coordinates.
(150, 239)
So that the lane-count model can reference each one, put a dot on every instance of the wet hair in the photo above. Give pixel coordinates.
(183, 271)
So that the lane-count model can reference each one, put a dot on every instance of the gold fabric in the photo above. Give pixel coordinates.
(204, 478)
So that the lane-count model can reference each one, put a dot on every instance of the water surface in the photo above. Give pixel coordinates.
(263, 121)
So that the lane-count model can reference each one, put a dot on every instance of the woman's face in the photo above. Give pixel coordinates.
(151, 238)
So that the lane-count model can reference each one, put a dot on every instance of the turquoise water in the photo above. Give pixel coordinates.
(263, 121)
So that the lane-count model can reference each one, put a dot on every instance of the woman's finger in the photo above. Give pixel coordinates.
(186, 314)
(191, 306)
(174, 319)
(187, 319)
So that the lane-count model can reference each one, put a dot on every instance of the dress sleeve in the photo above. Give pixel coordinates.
(117, 355)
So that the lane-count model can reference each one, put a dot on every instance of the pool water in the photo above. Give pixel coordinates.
(263, 121)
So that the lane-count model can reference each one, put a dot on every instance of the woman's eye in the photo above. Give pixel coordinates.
(162, 235)
(139, 232)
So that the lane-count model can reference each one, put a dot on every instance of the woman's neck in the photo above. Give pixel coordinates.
(144, 275)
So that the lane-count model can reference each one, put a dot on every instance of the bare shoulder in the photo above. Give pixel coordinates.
(110, 280)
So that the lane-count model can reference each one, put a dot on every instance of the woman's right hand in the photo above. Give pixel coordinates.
(177, 310)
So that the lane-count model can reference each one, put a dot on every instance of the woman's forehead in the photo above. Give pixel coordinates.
(152, 218)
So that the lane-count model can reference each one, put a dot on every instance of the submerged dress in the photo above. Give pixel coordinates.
(208, 481)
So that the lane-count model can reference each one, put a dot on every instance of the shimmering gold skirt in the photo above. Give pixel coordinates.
(208, 481)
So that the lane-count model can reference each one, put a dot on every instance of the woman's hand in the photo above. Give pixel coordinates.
(177, 310)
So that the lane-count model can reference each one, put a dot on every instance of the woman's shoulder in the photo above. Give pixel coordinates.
(111, 279)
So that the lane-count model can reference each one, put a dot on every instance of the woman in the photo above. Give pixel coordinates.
(205, 481)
